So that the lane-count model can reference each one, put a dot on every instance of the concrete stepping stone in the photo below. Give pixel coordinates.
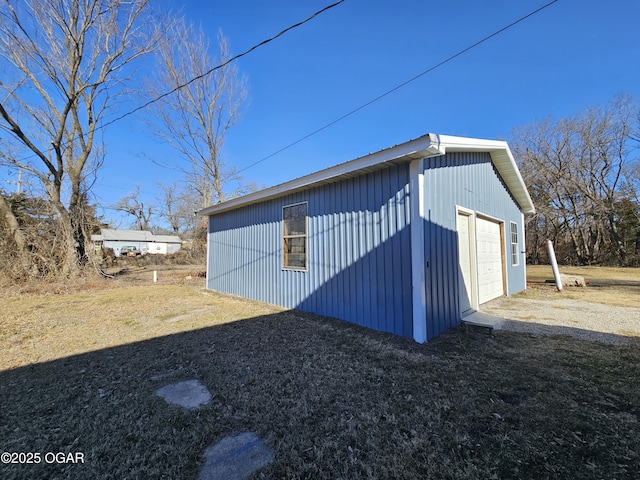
(235, 457)
(188, 394)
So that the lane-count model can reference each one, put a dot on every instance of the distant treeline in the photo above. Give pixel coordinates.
(583, 174)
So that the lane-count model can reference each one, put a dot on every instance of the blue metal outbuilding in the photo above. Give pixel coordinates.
(406, 240)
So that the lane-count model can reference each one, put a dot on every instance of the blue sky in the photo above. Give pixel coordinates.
(573, 55)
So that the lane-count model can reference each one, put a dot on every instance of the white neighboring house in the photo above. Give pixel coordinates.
(165, 244)
(143, 240)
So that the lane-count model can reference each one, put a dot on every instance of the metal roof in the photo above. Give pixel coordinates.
(108, 234)
(167, 238)
(429, 145)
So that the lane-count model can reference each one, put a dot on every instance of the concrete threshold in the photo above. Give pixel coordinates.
(482, 320)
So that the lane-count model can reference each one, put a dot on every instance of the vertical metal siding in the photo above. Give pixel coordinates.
(359, 245)
(359, 252)
(468, 180)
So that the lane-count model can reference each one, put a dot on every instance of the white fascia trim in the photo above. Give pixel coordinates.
(418, 276)
(418, 148)
(429, 145)
(501, 157)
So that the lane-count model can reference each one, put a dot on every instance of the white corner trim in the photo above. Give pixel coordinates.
(206, 270)
(418, 277)
(523, 250)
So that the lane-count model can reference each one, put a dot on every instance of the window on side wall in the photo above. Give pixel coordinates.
(515, 251)
(295, 236)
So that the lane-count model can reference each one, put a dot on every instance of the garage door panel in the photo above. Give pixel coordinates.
(489, 257)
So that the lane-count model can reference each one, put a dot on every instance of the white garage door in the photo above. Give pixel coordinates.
(489, 251)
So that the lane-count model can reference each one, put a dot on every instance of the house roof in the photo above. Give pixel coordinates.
(108, 234)
(429, 145)
(167, 238)
(126, 235)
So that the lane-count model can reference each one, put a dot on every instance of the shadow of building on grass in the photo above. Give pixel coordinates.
(328, 397)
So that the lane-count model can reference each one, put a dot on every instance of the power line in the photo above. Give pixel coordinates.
(222, 65)
(211, 70)
(398, 87)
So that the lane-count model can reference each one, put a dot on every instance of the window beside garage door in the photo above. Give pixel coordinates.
(515, 251)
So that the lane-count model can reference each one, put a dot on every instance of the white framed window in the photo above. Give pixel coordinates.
(515, 250)
(295, 238)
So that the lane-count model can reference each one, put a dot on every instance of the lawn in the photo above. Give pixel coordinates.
(606, 285)
(331, 400)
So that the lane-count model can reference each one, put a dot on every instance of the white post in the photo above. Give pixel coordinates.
(418, 277)
(554, 265)
(155, 276)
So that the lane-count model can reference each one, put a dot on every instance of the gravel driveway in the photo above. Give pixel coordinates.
(584, 320)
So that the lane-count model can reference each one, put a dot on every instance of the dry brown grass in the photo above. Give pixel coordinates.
(607, 285)
(605, 275)
(332, 400)
(43, 328)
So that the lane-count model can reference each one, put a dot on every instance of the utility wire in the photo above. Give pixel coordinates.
(398, 87)
(222, 65)
(211, 70)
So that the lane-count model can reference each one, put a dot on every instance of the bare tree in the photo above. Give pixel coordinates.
(132, 205)
(171, 202)
(65, 63)
(36, 220)
(10, 222)
(195, 118)
(579, 171)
